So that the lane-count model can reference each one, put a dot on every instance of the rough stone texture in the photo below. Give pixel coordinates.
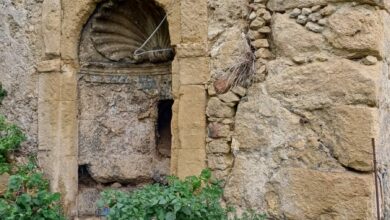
(342, 36)
(343, 195)
(382, 143)
(20, 44)
(304, 126)
(322, 84)
(109, 116)
(355, 29)
(282, 5)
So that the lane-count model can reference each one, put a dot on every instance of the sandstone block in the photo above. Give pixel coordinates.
(357, 30)
(87, 199)
(191, 117)
(229, 97)
(194, 71)
(322, 84)
(260, 43)
(238, 90)
(309, 194)
(49, 66)
(219, 162)
(194, 21)
(291, 39)
(51, 29)
(218, 130)
(190, 162)
(191, 50)
(218, 146)
(216, 108)
(349, 130)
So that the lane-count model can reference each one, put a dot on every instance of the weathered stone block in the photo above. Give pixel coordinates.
(303, 196)
(68, 83)
(292, 39)
(48, 87)
(318, 85)
(191, 117)
(229, 97)
(219, 162)
(191, 50)
(87, 200)
(51, 29)
(218, 130)
(194, 21)
(190, 162)
(218, 146)
(349, 130)
(356, 30)
(49, 66)
(216, 108)
(48, 113)
(194, 71)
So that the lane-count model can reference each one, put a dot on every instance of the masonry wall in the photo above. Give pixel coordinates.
(293, 141)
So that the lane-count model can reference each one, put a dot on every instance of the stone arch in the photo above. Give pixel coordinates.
(124, 99)
(62, 25)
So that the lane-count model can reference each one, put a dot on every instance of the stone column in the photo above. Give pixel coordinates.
(190, 73)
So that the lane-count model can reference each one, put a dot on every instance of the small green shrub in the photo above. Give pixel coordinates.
(27, 196)
(10, 139)
(195, 198)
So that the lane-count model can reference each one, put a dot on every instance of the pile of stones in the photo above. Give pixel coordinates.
(314, 18)
(259, 29)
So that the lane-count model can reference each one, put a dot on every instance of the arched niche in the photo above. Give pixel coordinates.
(124, 98)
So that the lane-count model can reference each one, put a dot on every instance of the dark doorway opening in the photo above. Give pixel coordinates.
(164, 134)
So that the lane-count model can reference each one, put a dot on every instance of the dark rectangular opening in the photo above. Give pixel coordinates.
(164, 133)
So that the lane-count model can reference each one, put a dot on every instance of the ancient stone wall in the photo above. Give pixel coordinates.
(302, 133)
(20, 51)
(280, 98)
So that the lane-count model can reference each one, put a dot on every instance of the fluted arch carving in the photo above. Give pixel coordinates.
(120, 29)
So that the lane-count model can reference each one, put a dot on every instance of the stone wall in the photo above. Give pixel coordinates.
(292, 138)
(20, 50)
(302, 133)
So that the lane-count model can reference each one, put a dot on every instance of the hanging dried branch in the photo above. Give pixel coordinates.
(243, 70)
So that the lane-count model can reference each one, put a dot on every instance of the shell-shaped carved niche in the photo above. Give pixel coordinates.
(133, 31)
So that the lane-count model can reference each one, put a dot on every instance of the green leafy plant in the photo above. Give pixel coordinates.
(27, 196)
(10, 139)
(195, 198)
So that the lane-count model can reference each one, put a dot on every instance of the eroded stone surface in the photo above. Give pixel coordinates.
(322, 84)
(312, 194)
(117, 133)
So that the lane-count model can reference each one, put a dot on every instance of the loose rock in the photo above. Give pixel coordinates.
(314, 27)
(216, 108)
(315, 17)
(294, 13)
(306, 11)
(302, 19)
(370, 60)
(260, 43)
(229, 97)
(257, 23)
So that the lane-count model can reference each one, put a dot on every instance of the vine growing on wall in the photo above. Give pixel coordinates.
(27, 196)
